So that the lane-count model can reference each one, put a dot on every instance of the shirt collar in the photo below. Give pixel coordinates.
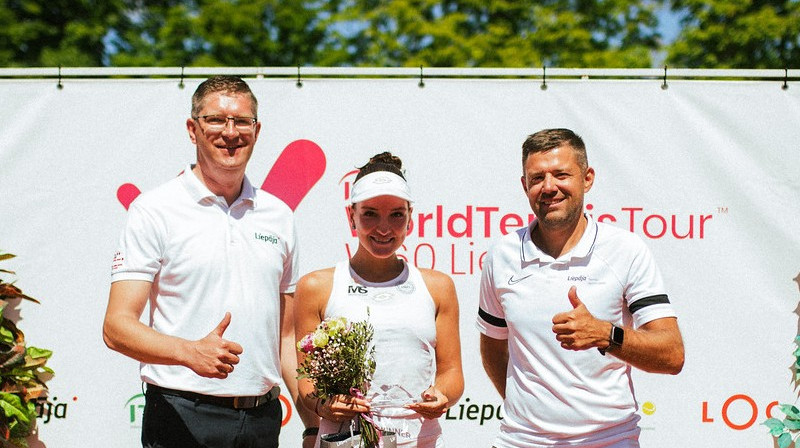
(199, 192)
(530, 252)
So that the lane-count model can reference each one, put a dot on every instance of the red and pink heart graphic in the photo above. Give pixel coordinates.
(126, 193)
(298, 168)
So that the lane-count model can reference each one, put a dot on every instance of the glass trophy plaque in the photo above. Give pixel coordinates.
(405, 368)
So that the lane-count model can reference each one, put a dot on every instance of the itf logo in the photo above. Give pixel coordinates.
(135, 409)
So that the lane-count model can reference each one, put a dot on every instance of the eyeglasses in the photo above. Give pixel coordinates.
(218, 122)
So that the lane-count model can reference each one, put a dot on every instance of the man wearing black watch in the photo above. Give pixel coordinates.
(555, 291)
(615, 339)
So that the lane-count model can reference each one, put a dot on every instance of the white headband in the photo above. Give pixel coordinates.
(380, 183)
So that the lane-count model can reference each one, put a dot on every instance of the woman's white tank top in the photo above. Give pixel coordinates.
(403, 314)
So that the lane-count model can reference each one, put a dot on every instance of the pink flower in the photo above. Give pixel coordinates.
(306, 345)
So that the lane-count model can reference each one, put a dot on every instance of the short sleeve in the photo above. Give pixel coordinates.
(491, 319)
(646, 294)
(139, 251)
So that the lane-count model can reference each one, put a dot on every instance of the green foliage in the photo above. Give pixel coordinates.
(782, 430)
(55, 32)
(216, 33)
(787, 429)
(23, 373)
(475, 33)
(461, 33)
(19, 415)
(457, 33)
(737, 34)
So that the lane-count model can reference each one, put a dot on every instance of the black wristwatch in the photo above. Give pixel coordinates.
(311, 431)
(614, 339)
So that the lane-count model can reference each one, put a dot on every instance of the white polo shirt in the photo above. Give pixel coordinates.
(204, 259)
(554, 395)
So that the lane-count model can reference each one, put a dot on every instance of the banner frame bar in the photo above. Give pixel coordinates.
(399, 72)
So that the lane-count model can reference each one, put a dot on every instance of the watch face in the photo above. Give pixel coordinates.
(617, 335)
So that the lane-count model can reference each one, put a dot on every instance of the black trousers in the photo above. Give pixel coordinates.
(176, 422)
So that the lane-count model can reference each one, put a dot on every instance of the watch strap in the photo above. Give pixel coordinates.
(615, 339)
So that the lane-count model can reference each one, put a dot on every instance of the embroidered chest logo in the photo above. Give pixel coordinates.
(407, 288)
(382, 296)
(267, 238)
(514, 280)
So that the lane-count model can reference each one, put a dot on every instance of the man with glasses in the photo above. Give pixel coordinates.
(216, 260)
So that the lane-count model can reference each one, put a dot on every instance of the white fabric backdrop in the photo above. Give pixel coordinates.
(719, 156)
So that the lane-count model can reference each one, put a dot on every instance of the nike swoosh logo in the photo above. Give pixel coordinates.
(512, 280)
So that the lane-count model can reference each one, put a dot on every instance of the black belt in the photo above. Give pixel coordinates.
(228, 402)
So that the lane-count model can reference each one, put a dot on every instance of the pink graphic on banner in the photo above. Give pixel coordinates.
(298, 168)
(126, 193)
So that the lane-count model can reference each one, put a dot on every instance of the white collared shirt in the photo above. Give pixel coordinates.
(205, 258)
(554, 394)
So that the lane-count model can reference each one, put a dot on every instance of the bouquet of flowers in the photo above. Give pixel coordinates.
(340, 359)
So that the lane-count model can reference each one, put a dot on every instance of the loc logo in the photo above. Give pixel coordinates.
(738, 412)
(286, 404)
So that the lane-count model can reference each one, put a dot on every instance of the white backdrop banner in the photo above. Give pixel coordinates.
(705, 171)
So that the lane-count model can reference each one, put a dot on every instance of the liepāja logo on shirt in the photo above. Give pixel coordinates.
(267, 238)
(586, 279)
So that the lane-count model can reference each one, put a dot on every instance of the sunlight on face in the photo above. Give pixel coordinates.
(555, 185)
(381, 224)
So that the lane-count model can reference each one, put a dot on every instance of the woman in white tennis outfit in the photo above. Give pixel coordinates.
(414, 313)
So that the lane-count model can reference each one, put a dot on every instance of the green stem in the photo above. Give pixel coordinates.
(369, 433)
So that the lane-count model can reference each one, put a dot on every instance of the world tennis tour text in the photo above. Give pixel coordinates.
(489, 222)
(457, 243)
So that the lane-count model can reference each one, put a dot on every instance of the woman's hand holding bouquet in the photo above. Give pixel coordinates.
(339, 360)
